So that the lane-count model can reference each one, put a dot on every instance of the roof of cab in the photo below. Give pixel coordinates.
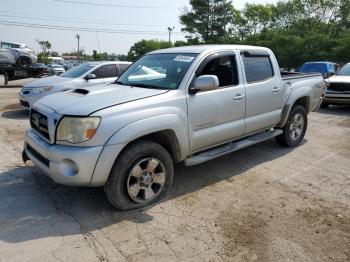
(197, 49)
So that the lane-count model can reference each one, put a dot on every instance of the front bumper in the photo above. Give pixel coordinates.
(337, 98)
(67, 165)
(27, 100)
(57, 73)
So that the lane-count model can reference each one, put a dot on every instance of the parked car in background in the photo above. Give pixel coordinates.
(56, 60)
(67, 65)
(338, 88)
(16, 54)
(45, 68)
(203, 102)
(83, 75)
(327, 69)
(55, 69)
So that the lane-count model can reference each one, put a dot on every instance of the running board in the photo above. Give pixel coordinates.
(231, 147)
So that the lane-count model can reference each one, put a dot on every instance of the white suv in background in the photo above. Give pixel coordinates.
(15, 53)
(82, 76)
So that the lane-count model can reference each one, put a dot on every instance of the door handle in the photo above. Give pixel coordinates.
(238, 97)
(276, 89)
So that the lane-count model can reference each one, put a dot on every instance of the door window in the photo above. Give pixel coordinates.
(105, 71)
(224, 68)
(257, 68)
(122, 68)
(5, 45)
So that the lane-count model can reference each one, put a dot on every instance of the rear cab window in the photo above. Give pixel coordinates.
(258, 67)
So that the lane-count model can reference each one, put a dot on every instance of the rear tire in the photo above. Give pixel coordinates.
(141, 176)
(295, 128)
(24, 61)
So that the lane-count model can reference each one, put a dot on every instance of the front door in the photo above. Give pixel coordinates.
(217, 116)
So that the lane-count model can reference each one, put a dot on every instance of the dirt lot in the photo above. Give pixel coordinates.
(263, 203)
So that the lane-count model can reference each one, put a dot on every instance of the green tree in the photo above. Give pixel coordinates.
(296, 30)
(95, 55)
(144, 46)
(257, 18)
(42, 58)
(209, 21)
(44, 45)
(119, 57)
(53, 53)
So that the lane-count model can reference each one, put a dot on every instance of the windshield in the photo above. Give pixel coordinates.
(158, 71)
(344, 71)
(78, 71)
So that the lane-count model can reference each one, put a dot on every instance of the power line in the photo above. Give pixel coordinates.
(128, 6)
(75, 21)
(85, 29)
(95, 21)
(114, 5)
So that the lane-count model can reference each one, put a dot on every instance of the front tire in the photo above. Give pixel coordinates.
(140, 176)
(295, 128)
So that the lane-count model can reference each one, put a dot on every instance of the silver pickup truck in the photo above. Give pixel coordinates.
(187, 104)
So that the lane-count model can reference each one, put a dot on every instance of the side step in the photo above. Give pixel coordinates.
(231, 147)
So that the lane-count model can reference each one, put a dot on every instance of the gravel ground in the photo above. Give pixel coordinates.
(263, 203)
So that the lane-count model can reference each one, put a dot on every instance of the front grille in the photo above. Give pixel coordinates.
(39, 123)
(38, 156)
(338, 97)
(339, 87)
(23, 103)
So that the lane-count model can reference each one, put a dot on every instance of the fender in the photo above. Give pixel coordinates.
(151, 125)
(295, 95)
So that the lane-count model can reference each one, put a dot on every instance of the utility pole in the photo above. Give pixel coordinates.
(98, 42)
(170, 30)
(78, 37)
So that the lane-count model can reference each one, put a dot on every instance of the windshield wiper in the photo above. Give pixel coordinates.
(145, 86)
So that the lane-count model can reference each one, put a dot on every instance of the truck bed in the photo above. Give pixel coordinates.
(297, 75)
(296, 80)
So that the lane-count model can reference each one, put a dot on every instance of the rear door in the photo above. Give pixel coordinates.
(217, 116)
(264, 91)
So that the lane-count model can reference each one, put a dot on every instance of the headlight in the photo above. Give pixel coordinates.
(37, 90)
(77, 129)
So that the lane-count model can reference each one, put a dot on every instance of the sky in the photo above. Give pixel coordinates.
(111, 26)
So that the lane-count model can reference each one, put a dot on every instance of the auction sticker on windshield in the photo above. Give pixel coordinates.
(182, 58)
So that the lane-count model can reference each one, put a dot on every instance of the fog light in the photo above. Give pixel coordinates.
(68, 167)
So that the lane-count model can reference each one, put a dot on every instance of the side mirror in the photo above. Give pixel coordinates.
(204, 83)
(90, 76)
